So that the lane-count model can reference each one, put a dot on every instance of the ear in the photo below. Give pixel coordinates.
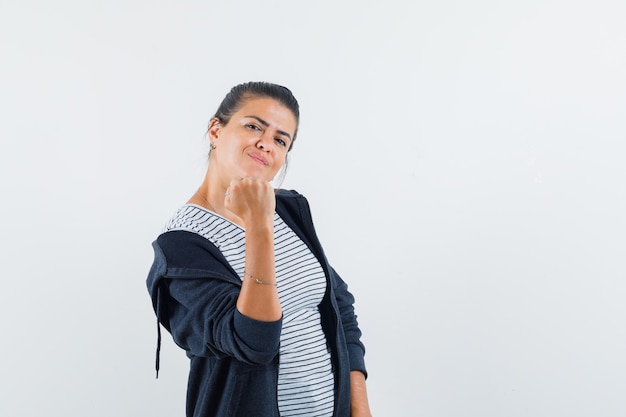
(214, 129)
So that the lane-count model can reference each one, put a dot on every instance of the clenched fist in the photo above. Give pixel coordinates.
(252, 200)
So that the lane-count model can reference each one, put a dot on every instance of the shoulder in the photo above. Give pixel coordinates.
(288, 194)
(292, 197)
(293, 204)
(188, 250)
(180, 240)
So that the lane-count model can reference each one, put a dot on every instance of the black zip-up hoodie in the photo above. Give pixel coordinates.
(234, 359)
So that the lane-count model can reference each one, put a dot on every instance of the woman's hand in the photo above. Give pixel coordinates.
(252, 200)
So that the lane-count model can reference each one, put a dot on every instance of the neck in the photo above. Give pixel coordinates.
(210, 195)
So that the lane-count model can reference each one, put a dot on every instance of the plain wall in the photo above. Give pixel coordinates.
(464, 162)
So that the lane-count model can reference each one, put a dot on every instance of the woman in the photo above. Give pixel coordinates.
(241, 282)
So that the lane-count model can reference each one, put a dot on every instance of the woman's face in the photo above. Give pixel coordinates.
(255, 141)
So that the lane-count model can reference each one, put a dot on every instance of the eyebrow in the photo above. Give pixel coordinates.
(264, 123)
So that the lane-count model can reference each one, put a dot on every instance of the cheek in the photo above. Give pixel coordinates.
(281, 159)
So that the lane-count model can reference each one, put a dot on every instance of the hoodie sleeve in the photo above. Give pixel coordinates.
(196, 302)
(204, 321)
(345, 302)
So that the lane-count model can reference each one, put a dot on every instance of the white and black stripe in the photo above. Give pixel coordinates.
(305, 378)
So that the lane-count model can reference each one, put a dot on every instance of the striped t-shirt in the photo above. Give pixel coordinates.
(305, 378)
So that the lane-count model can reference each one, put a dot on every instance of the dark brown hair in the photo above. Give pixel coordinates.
(238, 95)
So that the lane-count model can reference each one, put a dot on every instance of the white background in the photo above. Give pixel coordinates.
(464, 161)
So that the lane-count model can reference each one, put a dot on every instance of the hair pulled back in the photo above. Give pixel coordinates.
(239, 94)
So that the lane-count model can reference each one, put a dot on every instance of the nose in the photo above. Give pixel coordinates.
(263, 143)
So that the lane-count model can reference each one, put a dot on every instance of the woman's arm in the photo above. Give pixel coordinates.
(254, 201)
(351, 330)
(258, 298)
(200, 311)
(359, 406)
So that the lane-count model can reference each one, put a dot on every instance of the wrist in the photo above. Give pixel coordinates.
(260, 227)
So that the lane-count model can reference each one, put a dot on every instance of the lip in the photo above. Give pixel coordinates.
(258, 158)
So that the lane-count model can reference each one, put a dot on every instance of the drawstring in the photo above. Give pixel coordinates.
(158, 349)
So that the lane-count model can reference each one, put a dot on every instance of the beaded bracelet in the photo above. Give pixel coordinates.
(259, 281)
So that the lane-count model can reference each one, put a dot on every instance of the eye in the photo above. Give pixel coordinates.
(281, 142)
(252, 126)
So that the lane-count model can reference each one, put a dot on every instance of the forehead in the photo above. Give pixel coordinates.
(271, 111)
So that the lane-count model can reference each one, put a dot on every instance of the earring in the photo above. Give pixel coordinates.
(213, 146)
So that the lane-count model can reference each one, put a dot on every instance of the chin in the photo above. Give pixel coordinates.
(258, 175)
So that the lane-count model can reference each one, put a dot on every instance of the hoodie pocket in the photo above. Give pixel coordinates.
(253, 393)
